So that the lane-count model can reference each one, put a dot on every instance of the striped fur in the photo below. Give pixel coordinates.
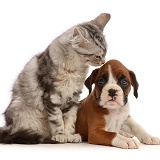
(96, 36)
(45, 95)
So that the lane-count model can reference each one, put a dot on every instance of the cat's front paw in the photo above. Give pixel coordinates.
(148, 139)
(61, 138)
(75, 138)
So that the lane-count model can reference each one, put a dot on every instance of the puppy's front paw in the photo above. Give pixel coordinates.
(61, 138)
(125, 143)
(148, 139)
(125, 134)
(75, 138)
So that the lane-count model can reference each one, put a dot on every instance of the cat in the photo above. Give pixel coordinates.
(45, 96)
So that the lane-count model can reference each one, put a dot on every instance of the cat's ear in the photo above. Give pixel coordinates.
(101, 20)
(78, 37)
(76, 32)
(91, 79)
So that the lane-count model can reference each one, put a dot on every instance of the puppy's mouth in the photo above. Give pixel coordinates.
(112, 99)
(111, 103)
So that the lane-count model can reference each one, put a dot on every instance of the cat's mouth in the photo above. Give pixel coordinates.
(94, 64)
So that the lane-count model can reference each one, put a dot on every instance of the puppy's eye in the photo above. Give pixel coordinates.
(101, 82)
(124, 83)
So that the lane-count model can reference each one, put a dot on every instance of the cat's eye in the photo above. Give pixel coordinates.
(98, 57)
(124, 83)
(101, 82)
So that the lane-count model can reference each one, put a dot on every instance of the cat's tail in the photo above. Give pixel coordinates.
(22, 137)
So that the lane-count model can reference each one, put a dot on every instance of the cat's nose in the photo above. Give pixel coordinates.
(103, 61)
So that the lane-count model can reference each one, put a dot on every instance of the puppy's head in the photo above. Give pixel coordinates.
(113, 83)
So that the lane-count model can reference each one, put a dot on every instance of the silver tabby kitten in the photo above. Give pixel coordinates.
(45, 95)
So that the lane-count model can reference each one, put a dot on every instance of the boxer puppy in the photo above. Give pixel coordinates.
(103, 117)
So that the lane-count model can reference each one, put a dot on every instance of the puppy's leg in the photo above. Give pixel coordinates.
(102, 137)
(130, 126)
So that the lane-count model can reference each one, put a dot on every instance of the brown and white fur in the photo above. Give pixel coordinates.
(46, 93)
(104, 115)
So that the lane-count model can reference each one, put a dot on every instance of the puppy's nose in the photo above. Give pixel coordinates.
(112, 93)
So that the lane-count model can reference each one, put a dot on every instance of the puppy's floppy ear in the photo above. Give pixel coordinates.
(134, 83)
(91, 79)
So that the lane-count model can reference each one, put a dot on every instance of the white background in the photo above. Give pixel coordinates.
(133, 35)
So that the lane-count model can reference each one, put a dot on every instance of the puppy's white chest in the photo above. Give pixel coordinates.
(116, 118)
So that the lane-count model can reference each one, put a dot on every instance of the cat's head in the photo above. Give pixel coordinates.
(89, 41)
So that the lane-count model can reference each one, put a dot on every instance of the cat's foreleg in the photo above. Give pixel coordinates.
(57, 125)
(70, 116)
(55, 117)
